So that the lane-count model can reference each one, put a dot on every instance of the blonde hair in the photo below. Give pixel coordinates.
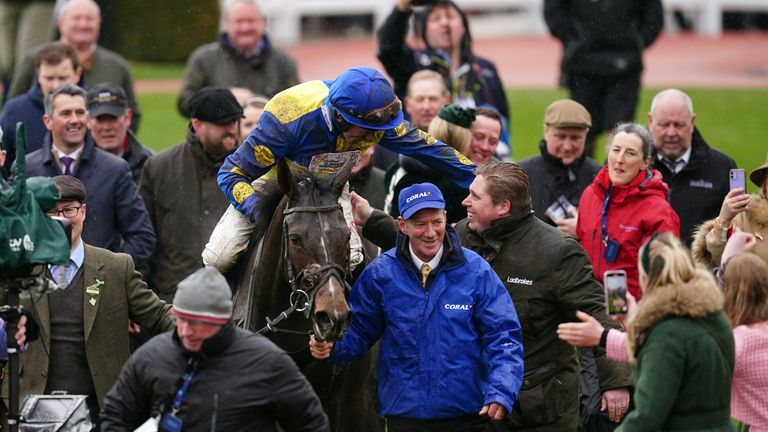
(458, 137)
(428, 75)
(745, 285)
(663, 260)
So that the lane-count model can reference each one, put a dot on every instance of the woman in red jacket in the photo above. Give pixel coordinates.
(624, 206)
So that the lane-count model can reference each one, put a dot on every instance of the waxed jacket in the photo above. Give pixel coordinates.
(634, 213)
(549, 179)
(243, 382)
(296, 124)
(184, 203)
(476, 79)
(606, 37)
(698, 190)
(446, 349)
(221, 64)
(684, 351)
(549, 278)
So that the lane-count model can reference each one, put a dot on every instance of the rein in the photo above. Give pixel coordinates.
(305, 284)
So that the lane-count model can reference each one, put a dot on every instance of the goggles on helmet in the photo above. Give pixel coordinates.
(377, 117)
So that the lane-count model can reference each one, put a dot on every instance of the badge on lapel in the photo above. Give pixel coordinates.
(94, 290)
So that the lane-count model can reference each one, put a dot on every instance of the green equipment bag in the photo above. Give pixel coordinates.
(27, 235)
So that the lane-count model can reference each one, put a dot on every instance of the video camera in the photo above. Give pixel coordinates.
(29, 241)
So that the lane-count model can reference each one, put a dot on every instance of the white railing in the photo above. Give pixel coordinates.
(285, 15)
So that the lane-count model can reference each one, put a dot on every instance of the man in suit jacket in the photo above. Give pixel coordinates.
(117, 219)
(84, 321)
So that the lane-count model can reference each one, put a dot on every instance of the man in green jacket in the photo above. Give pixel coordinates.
(549, 277)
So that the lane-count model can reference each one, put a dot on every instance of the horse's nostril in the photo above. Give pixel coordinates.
(323, 318)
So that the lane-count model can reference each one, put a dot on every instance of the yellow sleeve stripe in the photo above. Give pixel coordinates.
(297, 101)
(241, 191)
(238, 171)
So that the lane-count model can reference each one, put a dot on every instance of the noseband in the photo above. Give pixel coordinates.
(304, 284)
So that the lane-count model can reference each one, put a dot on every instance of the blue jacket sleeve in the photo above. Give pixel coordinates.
(502, 340)
(367, 320)
(410, 141)
(265, 146)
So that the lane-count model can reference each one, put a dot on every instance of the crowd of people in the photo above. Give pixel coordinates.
(484, 275)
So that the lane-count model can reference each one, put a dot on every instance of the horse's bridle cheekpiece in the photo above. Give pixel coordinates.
(304, 284)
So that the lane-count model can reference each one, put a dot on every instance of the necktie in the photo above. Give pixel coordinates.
(674, 165)
(66, 162)
(425, 269)
(61, 277)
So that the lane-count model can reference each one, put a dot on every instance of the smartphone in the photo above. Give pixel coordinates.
(615, 283)
(737, 179)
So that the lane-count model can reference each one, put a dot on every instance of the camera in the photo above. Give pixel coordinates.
(425, 2)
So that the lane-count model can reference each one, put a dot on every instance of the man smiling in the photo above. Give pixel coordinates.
(429, 298)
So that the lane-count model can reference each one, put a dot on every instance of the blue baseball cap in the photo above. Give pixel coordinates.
(418, 197)
(364, 98)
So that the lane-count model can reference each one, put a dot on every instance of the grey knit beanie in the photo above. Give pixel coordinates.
(204, 296)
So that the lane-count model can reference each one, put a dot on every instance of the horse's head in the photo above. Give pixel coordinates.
(316, 246)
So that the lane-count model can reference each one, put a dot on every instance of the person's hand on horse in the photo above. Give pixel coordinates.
(361, 210)
(494, 411)
(320, 350)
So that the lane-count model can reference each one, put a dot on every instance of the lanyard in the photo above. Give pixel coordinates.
(604, 216)
(189, 372)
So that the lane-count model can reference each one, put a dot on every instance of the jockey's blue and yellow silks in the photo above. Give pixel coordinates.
(296, 124)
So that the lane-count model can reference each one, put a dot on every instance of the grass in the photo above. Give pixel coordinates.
(731, 120)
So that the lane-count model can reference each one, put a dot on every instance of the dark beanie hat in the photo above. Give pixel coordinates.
(204, 296)
(457, 115)
(215, 105)
(70, 188)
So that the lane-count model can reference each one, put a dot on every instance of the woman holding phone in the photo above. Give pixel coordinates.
(624, 206)
(739, 212)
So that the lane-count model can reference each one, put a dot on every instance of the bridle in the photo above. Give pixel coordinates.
(304, 284)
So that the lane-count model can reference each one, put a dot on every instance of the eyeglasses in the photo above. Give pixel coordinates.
(67, 212)
(377, 117)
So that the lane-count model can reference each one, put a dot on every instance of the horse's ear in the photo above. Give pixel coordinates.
(288, 174)
(341, 177)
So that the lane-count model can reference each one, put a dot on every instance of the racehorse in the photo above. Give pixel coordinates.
(297, 283)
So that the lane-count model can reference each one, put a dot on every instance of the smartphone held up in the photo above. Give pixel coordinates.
(615, 283)
(737, 178)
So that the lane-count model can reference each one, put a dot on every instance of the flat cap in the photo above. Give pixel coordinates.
(567, 113)
(215, 105)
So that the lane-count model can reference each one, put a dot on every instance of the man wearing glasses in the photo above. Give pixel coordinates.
(84, 320)
(356, 110)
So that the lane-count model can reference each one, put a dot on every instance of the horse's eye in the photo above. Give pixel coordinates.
(295, 240)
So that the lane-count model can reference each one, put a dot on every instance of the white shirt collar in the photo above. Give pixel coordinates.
(432, 263)
(75, 155)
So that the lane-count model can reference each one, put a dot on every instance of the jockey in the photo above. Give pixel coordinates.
(353, 112)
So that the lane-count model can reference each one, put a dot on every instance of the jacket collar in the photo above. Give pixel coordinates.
(201, 157)
(214, 345)
(488, 243)
(699, 151)
(264, 47)
(89, 150)
(696, 298)
(648, 181)
(35, 94)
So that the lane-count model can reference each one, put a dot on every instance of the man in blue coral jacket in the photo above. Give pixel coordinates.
(353, 112)
(451, 353)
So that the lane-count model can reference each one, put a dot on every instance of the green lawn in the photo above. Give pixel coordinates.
(734, 121)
